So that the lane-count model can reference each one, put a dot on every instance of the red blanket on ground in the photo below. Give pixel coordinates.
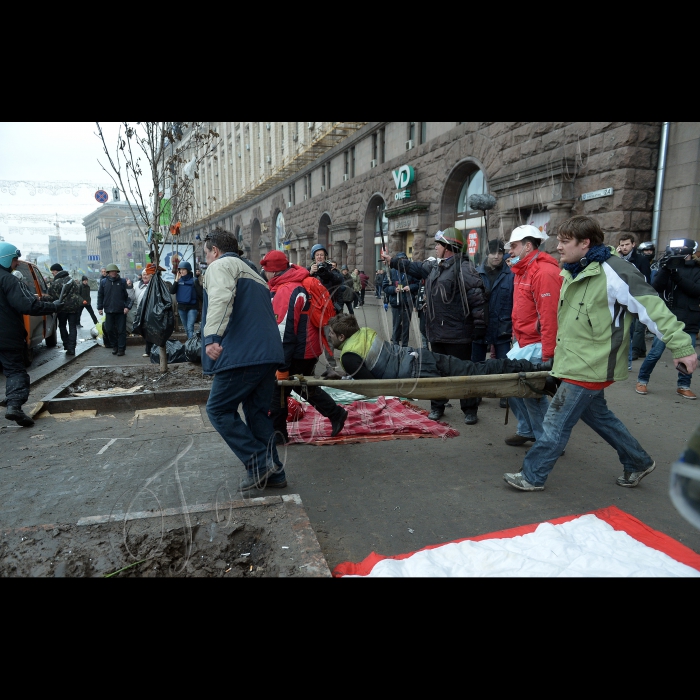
(387, 419)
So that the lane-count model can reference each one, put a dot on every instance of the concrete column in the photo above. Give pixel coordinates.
(419, 245)
(351, 256)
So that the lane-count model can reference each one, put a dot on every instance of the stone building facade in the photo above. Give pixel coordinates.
(539, 172)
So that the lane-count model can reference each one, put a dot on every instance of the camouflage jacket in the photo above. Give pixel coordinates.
(72, 298)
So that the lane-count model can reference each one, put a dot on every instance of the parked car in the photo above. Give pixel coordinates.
(38, 327)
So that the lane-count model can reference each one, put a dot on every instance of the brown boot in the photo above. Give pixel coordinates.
(517, 440)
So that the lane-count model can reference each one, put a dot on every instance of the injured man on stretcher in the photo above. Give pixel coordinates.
(363, 355)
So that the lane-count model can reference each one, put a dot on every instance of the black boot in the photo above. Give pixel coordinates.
(16, 414)
(338, 421)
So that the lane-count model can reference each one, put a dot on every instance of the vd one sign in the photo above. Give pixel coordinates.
(404, 176)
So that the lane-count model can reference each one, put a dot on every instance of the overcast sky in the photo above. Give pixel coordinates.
(50, 152)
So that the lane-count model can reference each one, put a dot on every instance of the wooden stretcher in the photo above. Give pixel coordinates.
(524, 385)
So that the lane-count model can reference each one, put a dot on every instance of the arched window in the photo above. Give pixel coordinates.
(280, 233)
(474, 184)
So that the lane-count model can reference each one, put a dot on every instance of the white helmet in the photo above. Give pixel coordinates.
(527, 231)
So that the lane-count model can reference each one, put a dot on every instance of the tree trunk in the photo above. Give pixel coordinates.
(163, 360)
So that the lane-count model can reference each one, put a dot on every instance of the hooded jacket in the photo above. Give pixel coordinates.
(455, 298)
(536, 288)
(594, 321)
(290, 304)
(500, 296)
(237, 314)
(16, 300)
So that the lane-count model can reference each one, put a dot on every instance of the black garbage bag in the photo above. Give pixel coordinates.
(155, 319)
(193, 349)
(175, 351)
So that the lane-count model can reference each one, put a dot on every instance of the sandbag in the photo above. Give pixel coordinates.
(193, 349)
(175, 351)
(155, 319)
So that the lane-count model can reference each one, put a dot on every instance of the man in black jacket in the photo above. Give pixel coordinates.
(627, 248)
(15, 301)
(72, 305)
(678, 283)
(114, 299)
(456, 308)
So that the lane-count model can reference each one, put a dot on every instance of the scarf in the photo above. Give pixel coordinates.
(598, 253)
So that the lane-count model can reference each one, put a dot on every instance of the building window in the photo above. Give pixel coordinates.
(470, 221)
(309, 187)
(411, 131)
(328, 175)
(282, 138)
(280, 233)
(347, 164)
(306, 187)
(323, 175)
(423, 131)
(382, 145)
(375, 148)
(352, 162)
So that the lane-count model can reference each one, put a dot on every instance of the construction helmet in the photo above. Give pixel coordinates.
(452, 238)
(647, 245)
(8, 253)
(526, 231)
(112, 268)
(316, 248)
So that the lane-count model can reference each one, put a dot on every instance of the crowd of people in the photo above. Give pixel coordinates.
(583, 318)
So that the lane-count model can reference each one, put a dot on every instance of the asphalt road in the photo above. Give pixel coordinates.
(390, 497)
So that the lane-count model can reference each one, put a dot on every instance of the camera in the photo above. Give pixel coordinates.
(323, 266)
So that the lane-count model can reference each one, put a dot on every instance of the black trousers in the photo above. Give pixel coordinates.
(116, 330)
(69, 337)
(401, 317)
(17, 379)
(89, 309)
(461, 352)
(318, 398)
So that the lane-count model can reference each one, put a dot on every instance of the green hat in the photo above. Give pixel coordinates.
(112, 268)
(452, 238)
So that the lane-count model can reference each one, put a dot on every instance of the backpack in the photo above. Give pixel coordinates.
(321, 308)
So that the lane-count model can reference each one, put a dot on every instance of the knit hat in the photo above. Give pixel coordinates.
(84, 278)
(274, 261)
(56, 268)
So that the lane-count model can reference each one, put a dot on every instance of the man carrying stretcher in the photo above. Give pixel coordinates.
(366, 356)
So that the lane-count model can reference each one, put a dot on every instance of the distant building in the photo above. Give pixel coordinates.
(71, 255)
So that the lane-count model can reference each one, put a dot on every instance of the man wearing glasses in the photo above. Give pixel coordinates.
(242, 348)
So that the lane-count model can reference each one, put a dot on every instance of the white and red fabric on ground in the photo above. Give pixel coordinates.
(385, 419)
(606, 542)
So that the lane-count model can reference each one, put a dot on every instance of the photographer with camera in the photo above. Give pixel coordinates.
(332, 280)
(678, 283)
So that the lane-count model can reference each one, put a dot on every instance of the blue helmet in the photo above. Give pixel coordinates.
(184, 265)
(316, 248)
(8, 253)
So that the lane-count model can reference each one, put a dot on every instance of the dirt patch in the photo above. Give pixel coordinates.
(178, 376)
(248, 542)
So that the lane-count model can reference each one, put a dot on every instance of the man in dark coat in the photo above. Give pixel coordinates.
(456, 307)
(401, 290)
(678, 283)
(113, 298)
(72, 304)
(15, 301)
(87, 300)
(627, 249)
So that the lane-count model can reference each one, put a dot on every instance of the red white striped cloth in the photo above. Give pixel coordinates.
(606, 542)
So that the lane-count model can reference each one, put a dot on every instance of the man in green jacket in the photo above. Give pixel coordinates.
(599, 294)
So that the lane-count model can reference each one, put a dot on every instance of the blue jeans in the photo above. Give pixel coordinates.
(188, 318)
(253, 442)
(657, 349)
(571, 403)
(530, 414)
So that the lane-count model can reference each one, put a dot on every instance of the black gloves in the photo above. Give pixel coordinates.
(58, 305)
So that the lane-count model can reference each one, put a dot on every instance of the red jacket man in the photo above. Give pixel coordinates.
(535, 291)
(300, 340)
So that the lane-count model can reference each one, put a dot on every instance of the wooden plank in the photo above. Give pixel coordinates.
(524, 385)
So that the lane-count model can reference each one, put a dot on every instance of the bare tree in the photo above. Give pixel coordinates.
(154, 165)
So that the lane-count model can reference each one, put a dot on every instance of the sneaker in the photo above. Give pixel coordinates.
(470, 418)
(16, 414)
(630, 479)
(339, 421)
(685, 393)
(436, 414)
(629, 368)
(517, 440)
(518, 481)
(641, 389)
(145, 354)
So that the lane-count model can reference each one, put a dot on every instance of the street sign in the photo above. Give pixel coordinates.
(607, 192)
(94, 258)
(101, 196)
